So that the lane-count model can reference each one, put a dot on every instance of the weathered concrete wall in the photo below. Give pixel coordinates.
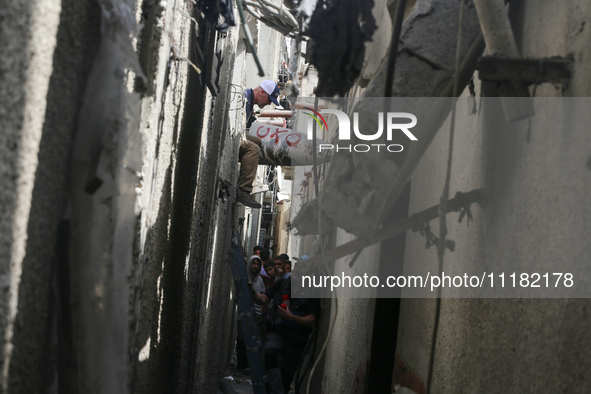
(104, 222)
(537, 199)
(268, 50)
(216, 317)
(28, 32)
(162, 115)
(185, 312)
(535, 212)
(422, 65)
(424, 62)
(186, 320)
(123, 287)
(349, 344)
(48, 47)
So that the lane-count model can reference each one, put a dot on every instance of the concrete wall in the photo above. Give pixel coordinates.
(349, 346)
(346, 323)
(268, 50)
(125, 288)
(162, 120)
(537, 197)
(48, 47)
(115, 266)
(536, 209)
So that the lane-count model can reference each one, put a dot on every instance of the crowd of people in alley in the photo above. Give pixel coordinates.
(285, 322)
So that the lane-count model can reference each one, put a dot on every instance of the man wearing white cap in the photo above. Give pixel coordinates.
(267, 92)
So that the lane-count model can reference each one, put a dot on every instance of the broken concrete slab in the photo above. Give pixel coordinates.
(357, 188)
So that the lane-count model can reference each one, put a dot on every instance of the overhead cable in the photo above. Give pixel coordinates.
(275, 16)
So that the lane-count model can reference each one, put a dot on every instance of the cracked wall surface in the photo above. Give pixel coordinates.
(537, 212)
(48, 46)
(537, 194)
(426, 58)
(114, 242)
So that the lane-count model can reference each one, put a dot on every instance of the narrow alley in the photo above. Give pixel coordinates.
(295, 196)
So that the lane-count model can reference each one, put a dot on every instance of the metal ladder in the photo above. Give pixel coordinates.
(255, 350)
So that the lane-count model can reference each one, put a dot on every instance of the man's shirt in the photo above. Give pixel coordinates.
(249, 107)
(290, 330)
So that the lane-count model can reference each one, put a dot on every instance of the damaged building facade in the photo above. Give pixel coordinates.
(120, 130)
(531, 216)
(119, 127)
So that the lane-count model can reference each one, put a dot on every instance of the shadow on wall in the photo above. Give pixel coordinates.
(164, 309)
(42, 331)
(147, 355)
(12, 97)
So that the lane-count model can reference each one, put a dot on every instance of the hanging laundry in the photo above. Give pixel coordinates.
(216, 11)
(338, 31)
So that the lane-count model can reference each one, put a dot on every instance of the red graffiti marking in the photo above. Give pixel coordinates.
(260, 135)
(276, 135)
(298, 138)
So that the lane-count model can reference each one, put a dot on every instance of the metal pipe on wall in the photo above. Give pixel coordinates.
(500, 41)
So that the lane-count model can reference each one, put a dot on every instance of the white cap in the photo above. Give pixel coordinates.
(272, 90)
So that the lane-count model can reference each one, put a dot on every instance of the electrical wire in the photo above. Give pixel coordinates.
(336, 301)
(300, 376)
(444, 199)
(311, 343)
(272, 15)
(315, 332)
(236, 90)
(397, 28)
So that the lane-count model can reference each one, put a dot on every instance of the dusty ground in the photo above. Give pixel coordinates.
(237, 382)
